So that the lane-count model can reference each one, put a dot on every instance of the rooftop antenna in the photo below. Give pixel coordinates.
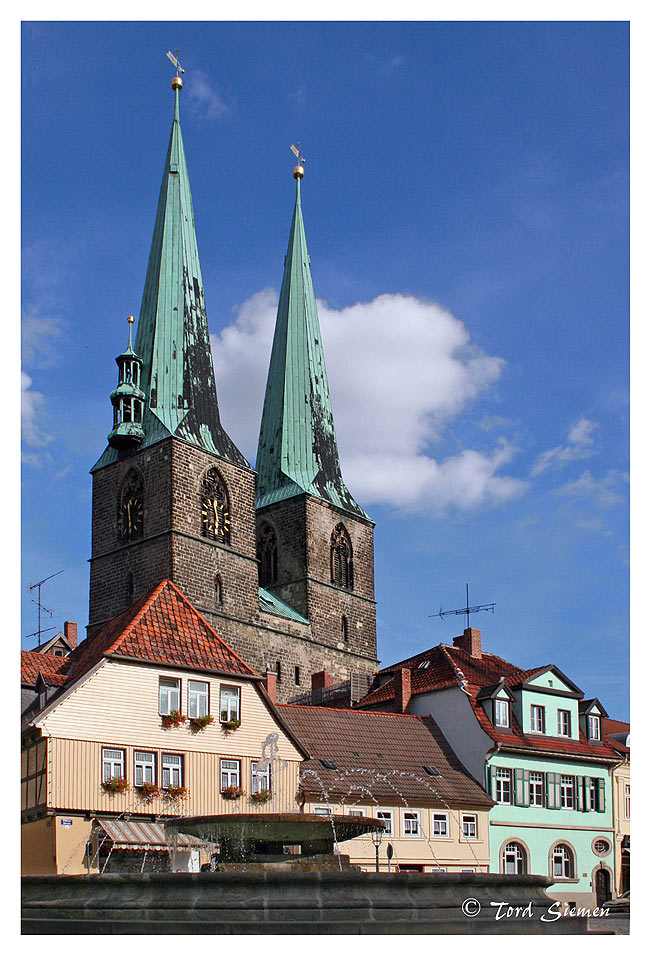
(467, 610)
(37, 586)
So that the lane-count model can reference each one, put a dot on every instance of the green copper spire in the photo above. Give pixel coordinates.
(297, 449)
(172, 338)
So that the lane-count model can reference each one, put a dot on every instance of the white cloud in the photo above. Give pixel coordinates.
(400, 370)
(580, 445)
(599, 492)
(204, 97)
(38, 335)
(32, 434)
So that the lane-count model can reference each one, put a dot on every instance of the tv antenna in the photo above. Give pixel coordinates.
(37, 586)
(467, 610)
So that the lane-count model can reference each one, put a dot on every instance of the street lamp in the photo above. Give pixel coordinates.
(376, 838)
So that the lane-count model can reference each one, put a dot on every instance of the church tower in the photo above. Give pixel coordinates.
(172, 495)
(314, 542)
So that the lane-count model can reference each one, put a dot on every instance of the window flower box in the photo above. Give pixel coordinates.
(175, 792)
(231, 725)
(232, 792)
(148, 790)
(116, 784)
(199, 723)
(173, 718)
(262, 795)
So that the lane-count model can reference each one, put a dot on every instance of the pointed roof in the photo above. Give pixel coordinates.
(173, 339)
(297, 449)
(161, 627)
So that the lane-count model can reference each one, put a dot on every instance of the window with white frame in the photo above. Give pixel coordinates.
(536, 719)
(468, 870)
(592, 794)
(172, 770)
(440, 824)
(593, 726)
(503, 786)
(112, 764)
(260, 777)
(513, 860)
(170, 695)
(411, 823)
(470, 826)
(567, 792)
(562, 862)
(229, 705)
(355, 812)
(197, 699)
(144, 767)
(230, 773)
(564, 723)
(322, 810)
(386, 816)
(536, 789)
(501, 713)
(627, 800)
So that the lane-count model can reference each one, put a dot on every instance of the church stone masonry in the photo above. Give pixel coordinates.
(173, 497)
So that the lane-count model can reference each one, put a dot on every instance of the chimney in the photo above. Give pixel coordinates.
(470, 642)
(320, 682)
(70, 633)
(402, 690)
(271, 684)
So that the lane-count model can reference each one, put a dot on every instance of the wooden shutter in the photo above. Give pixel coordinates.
(522, 792)
(490, 782)
(553, 791)
(582, 794)
(600, 795)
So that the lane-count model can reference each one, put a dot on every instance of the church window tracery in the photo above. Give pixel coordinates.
(341, 558)
(215, 508)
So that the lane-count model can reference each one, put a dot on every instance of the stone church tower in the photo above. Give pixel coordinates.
(174, 498)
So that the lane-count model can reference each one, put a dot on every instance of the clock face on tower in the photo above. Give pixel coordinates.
(215, 509)
(131, 508)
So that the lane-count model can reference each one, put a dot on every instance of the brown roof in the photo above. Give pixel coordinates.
(380, 756)
(450, 666)
(614, 728)
(53, 669)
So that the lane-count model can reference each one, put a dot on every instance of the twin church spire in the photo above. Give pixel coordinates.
(297, 450)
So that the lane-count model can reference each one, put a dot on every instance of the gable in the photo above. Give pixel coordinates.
(551, 680)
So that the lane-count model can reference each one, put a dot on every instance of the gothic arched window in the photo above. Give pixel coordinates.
(341, 558)
(218, 591)
(130, 507)
(215, 508)
(267, 555)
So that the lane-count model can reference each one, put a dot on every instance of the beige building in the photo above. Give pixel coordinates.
(618, 736)
(156, 717)
(400, 769)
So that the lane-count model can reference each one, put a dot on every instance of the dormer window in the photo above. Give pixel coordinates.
(501, 713)
(593, 726)
(536, 719)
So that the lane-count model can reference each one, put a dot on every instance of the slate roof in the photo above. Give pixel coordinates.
(161, 627)
(617, 728)
(449, 666)
(382, 752)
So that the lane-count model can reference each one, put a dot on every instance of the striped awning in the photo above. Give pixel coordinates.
(133, 834)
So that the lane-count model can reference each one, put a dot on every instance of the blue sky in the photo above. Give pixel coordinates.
(466, 208)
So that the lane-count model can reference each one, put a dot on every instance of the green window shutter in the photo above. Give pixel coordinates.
(581, 795)
(600, 795)
(519, 787)
(489, 782)
(526, 788)
(553, 790)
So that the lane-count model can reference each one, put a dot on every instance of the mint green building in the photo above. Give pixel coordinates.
(538, 748)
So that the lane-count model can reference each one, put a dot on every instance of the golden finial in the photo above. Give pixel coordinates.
(130, 319)
(299, 170)
(177, 82)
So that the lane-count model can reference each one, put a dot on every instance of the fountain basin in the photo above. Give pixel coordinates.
(246, 836)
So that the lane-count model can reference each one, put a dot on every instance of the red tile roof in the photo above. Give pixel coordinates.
(380, 756)
(613, 728)
(450, 666)
(161, 627)
(53, 669)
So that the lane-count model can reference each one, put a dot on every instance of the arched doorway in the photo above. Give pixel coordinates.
(603, 887)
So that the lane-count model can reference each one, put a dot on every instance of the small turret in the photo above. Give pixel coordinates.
(127, 399)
